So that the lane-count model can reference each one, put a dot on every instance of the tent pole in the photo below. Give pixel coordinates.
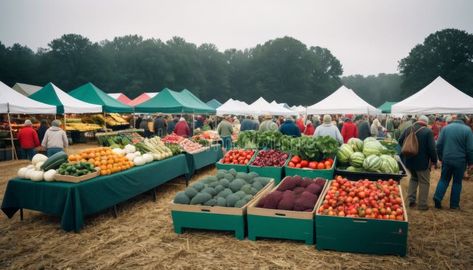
(13, 149)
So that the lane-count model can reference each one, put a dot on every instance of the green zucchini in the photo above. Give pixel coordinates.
(54, 161)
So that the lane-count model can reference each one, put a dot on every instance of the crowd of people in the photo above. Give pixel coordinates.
(448, 139)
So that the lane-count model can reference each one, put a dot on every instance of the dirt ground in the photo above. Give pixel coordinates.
(142, 237)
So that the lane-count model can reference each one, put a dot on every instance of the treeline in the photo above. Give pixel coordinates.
(283, 69)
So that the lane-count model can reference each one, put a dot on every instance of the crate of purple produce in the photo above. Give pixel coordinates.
(270, 163)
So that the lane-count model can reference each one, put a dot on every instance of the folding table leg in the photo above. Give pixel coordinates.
(155, 197)
(115, 211)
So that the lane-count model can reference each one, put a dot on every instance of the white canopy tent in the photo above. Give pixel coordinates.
(342, 101)
(300, 109)
(13, 102)
(437, 97)
(232, 106)
(262, 107)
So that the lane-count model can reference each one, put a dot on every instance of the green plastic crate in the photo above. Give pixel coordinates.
(277, 173)
(361, 235)
(280, 224)
(236, 167)
(327, 174)
(215, 218)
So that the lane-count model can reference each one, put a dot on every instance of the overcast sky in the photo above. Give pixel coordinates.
(367, 36)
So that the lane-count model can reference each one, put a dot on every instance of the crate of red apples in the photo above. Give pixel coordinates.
(237, 159)
(362, 216)
(270, 163)
(287, 211)
(298, 166)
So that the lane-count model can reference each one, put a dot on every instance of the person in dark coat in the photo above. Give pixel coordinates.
(138, 121)
(171, 124)
(363, 128)
(160, 126)
(420, 164)
(455, 150)
(42, 129)
(144, 125)
(248, 124)
(289, 128)
(199, 122)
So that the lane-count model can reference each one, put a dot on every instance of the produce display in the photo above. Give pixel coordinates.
(307, 148)
(297, 162)
(270, 158)
(76, 124)
(107, 160)
(208, 136)
(238, 156)
(172, 138)
(118, 139)
(363, 199)
(112, 119)
(294, 193)
(225, 189)
(38, 171)
(367, 156)
(175, 149)
(190, 146)
(156, 147)
(76, 168)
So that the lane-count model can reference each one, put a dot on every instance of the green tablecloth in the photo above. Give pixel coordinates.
(72, 202)
(204, 158)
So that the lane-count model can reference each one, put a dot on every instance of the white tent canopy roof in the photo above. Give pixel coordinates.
(26, 89)
(232, 106)
(437, 97)
(115, 95)
(74, 105)
(152, 94)
(342, 101)
(262, 107)
(13, 102)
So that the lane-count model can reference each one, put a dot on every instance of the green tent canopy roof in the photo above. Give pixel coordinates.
(386, 107)
(52, 95)
(198, 103)
(92, 94)
(168, 101)
(214, 103)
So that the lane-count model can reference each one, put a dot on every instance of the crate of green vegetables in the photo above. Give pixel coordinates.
(270, 163)
(286, 211)
(218, 202)
(76, 172)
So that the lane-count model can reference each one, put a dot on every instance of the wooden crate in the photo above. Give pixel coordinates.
(280, 224)
(76, 179)
(216, 218)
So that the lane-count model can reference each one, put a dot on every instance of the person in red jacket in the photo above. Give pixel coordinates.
(28, 139)
(349, 130)
(309, 128)
(300, 124)
(182, 128)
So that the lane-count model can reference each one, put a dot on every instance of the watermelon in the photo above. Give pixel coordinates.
(389, 164)
(372, 163)
(372, 148)
(354, 169)
(370, 139)
(356, 159)
(356, 144)
(344, 153)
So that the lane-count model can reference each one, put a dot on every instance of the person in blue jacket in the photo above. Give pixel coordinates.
(288, 127)
(455, 150)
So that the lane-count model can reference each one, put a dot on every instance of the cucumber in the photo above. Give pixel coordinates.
(54, 161)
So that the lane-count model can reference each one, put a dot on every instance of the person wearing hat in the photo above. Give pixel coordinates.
(288, 127)
(328, 129)
(349, 130)
(28, 139)
(225, 131)
(420, 164)
(268, 124)
(55, 139)
(455, 150)
(182, 128)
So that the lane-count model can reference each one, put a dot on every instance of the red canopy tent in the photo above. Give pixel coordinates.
(139, 99)
(121, 97)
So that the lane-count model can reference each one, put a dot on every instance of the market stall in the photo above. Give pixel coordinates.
(214, 103)
(92, 94)
(342, 101)
(204, 158)
(429, 100)
(262, 107)
(234, 107)
(13, 102)
(74, 201)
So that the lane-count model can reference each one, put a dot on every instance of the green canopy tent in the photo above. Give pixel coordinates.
(188, 94)
(168, 101)
(214, 103)
(52, 95)
(386, 107)
(92, 94)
